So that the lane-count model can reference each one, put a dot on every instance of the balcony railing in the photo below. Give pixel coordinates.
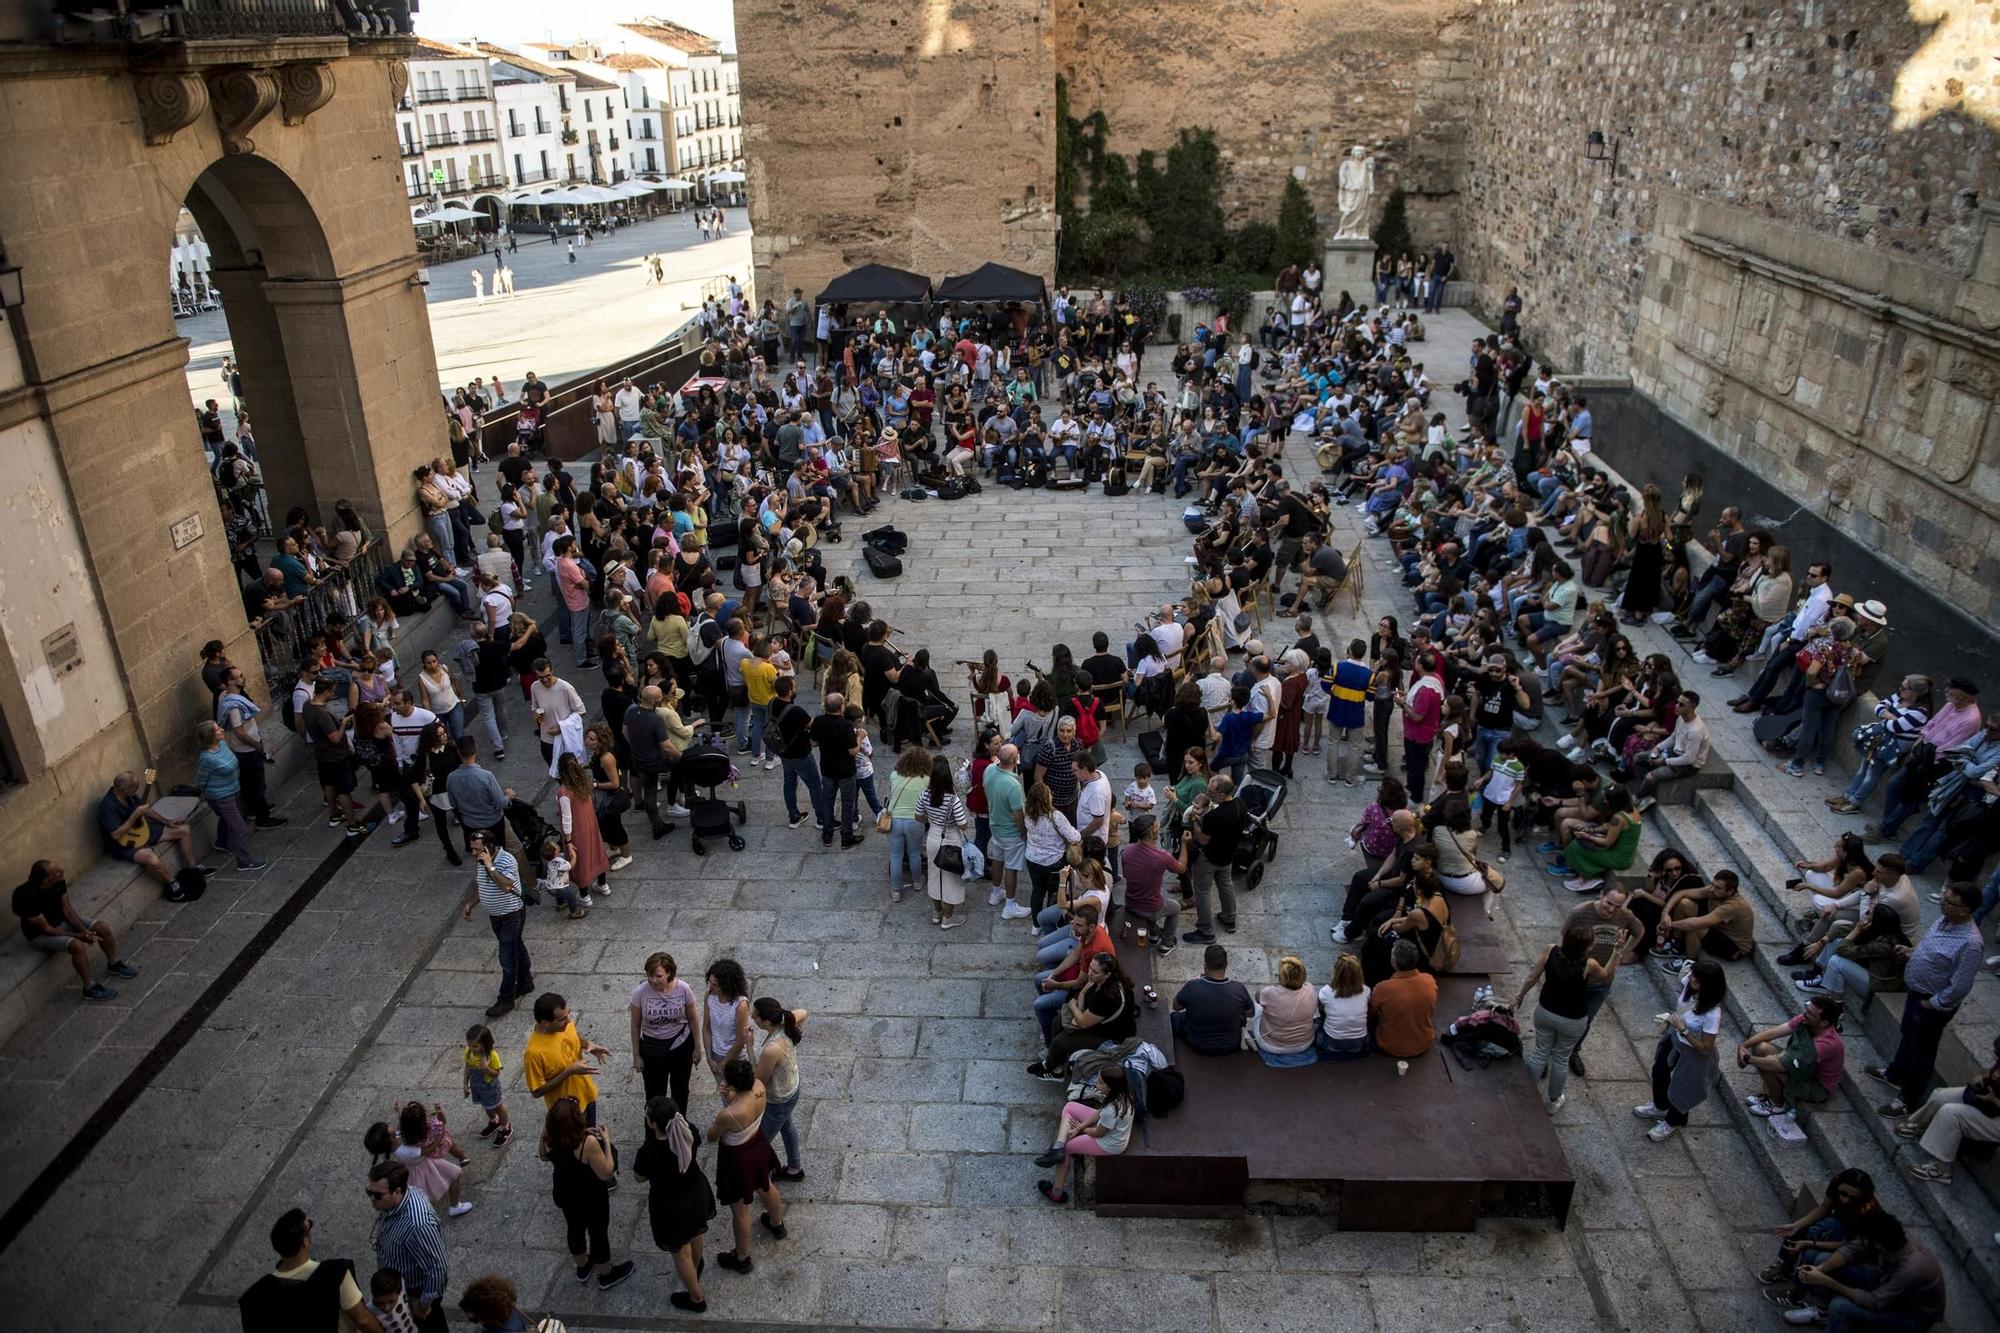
(410, 149)
(422, 191)
(479, 134)
(440, 139)
(475, 94)
(432, 96)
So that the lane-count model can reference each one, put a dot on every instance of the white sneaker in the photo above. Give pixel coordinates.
(770, 763)
(1558, 1103)
(1340, 933)
(395, 817)
(1661, 1132)
(1703, 658)
(951, 923)
(583, 901)
(1013, 912)
(1663, 617)
(677, 811)
(422, 815)
(460, 1209)
(995, 898)
(1648, 1112)
(619, 863)
(1993, 960)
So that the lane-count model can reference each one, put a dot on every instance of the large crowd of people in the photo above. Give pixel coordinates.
(700, 620)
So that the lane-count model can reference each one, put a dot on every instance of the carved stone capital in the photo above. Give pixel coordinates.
(242, 97)
(399, 82)
(305, 86)
(169, 102)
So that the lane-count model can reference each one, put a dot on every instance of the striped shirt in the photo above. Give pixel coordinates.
(409, 1240)
(1901, 720)
(496, 900)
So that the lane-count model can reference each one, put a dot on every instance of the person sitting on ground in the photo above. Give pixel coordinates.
(1209, 1012)
(131, 829)
(1850, 1195)
(1681, 754)
(1806, 1068)
(51, 923)
(1287, 1017)
(1402, 1011)
(1726, 929)
(1952, 1115)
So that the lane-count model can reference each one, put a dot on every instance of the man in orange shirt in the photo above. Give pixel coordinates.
(1403, 1009)
(1054, 986)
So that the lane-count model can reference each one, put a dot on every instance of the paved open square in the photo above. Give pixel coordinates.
(918, 1208)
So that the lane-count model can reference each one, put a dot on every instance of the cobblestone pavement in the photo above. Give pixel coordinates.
(919, 1208)
(563, 320)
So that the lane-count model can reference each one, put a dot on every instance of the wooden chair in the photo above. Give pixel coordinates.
(1252, 600)
(1110, 704)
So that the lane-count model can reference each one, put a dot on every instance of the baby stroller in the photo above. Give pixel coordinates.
(706, 764)
(532, 830)
(1262, 795)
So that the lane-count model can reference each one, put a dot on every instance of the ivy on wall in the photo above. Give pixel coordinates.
(1155, 223)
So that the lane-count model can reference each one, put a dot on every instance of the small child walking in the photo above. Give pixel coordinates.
(556, 884)
(1316, 700)
(864, 762)
(482, 1083)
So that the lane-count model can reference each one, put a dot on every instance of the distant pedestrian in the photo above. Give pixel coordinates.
(572, 252)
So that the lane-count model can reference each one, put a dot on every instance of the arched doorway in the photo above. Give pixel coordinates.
(494, 208)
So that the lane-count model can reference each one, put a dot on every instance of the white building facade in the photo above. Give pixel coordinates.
(448, 131)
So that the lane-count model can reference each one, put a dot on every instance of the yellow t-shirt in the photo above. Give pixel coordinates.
(547, 1054)
(488, 1063)
(760, 680)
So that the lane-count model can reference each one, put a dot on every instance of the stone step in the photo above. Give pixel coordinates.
(1720, 829)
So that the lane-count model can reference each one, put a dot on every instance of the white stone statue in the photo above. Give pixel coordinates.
(1357, 184)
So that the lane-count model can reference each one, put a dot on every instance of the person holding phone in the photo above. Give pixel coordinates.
(497, 887)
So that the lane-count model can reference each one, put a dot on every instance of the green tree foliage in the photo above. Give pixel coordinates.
(1253, 247)
(1392, 233)
(1187, 226)
(1298, 230)
(1106, 245)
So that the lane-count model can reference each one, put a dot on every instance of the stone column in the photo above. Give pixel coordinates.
(258, 343)
(364, 385)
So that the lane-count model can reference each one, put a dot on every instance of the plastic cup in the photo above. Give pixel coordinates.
(1402, 1068)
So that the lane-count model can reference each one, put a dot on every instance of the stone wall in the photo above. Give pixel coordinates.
(1798, 256)
(1288, 86)
(921, 136)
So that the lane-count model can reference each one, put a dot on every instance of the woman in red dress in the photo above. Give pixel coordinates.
(583, 844)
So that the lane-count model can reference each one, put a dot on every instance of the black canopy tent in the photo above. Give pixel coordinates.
(877, 284)
(994, 283)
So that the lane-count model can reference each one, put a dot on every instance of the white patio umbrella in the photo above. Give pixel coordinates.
(633, 189)
(727, 178)
(597, 194)
(563, 198)
(452, 213)
(676, 183)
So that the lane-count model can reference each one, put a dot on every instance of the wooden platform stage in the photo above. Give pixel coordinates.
(1430, 1150)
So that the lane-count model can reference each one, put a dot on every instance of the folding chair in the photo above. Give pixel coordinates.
(1110, 704)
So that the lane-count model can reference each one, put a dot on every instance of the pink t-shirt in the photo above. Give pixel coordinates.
(1829, 1052)
(574, 582)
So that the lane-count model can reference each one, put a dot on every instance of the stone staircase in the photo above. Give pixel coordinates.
(1730, 828)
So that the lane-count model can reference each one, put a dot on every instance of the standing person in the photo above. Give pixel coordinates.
(584, 1169)
(651, 746)
(1685, 1061)
(946, 822)
(744, 1162)
(302, 1292)
(1422, 706)
(1217, 831)
(554, 1063)
(410, 1239)
(727, 1017)
(792, 729)
(838, 742)
(476, 795)
(1049, 837)
(496, 888)
(1008, 842)
(680, 1204)
(1347, 714)
(1567, 971)
(482, 1068)
(583, 844)
(238, 714)
(666, 1029)
(573, 592)
(1938, 973)
(778, 1071)
(215, 778)
(554, 701)
(609, 796)
(907, 786)
(1609, 921)
(333, 756)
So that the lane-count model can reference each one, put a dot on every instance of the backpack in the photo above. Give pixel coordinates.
(700, 646)
(1490, 1032)
(288, 710)
(187, 886)
(1087, 730)
(1840, 690)
(1165, 1090)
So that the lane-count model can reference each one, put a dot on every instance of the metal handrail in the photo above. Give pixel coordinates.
(281, 639)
